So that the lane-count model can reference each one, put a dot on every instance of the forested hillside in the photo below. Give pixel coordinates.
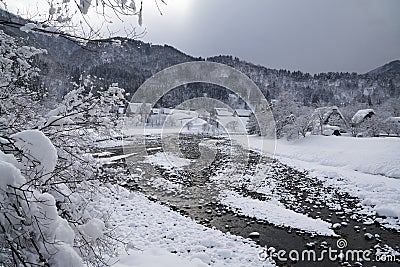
(130, 62)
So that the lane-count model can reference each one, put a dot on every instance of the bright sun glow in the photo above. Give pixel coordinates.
(181, 6)
(177, 8)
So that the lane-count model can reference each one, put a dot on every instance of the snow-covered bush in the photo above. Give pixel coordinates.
(48, 177)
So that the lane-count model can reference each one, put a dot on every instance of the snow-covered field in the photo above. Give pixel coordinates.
(379, 156)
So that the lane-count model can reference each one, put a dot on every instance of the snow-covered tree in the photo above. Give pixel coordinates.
(17, 99)
(30, 225)
(79, 20)
(285, 109)
(48, 179)
(300, 124)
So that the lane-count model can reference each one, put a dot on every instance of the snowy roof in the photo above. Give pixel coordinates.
(243, 112)
(183, 111)
(323, 113)
(326, 111)
(361, 114)
(223, 112)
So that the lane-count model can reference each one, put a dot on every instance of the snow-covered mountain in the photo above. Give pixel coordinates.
(130, 62)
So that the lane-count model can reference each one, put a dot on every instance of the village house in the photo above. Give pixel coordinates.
(361, 116)
(328, 121)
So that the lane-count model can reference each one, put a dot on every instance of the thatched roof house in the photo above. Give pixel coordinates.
(327, 121)
(361, 116)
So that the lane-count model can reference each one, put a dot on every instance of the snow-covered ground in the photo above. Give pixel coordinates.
(368, 168)
(167, 160)
(367, 155)
(157, 236)
(274, 212)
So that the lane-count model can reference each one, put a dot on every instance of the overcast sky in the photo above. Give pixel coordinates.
(308, 35)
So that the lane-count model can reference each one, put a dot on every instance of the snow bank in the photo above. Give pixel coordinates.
(391, 210)
(107, 160)
(368, 155)
(274, 212)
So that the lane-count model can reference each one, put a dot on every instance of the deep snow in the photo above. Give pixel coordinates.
(157, 236)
